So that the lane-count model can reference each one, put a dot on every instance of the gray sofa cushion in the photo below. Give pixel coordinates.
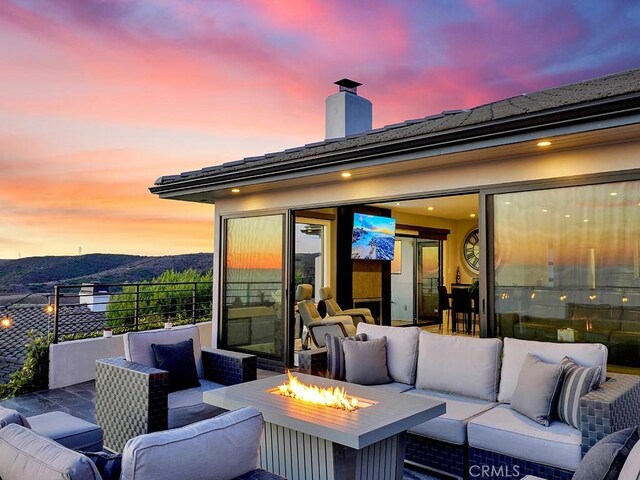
(393, 387)
(366, 362)
(9, 416)
(605, 459)
(452, 426)
(536, 390)
(503, 430)
(465, 366)
(26, 455)
(515, 351)
(137, 345)
(69, 431)
(220, 448)
(187, 406)
(402, 349)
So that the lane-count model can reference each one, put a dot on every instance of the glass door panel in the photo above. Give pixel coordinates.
(253, 293)
(429, 275)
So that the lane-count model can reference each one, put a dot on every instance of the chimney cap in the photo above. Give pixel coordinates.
(347, 85)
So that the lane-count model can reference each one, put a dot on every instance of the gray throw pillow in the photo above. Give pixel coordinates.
(335, 353)
(577, 382)
(366, 362)
(605, 459)
(536, 390)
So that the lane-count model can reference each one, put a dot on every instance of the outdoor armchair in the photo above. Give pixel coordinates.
(133, 397)
(221, 448)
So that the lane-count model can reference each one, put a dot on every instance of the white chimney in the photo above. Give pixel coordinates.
(347, 113)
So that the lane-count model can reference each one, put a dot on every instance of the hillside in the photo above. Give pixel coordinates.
(40, 274)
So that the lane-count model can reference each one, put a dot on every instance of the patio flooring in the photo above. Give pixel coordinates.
(79, 400)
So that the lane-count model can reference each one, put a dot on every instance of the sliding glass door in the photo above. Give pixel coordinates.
(254, 276)
(429, 278)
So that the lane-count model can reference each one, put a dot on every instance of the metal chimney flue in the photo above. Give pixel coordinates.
(346, 112)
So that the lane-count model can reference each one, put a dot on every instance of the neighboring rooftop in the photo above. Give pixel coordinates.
(621, 86)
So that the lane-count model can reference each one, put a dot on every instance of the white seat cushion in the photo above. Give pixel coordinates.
(393, 387)
(452, 426)
(515, 351)
(69, 431)
(402, 349)
(460, 365)
(220, 448)
(26, 455)
(137, 345)
(187, 406)
(503, 430)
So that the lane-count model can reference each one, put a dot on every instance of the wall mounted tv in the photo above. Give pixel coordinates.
(373, 237)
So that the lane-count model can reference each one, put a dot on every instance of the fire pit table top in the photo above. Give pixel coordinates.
(389, 413)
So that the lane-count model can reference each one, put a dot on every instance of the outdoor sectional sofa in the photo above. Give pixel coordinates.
(476, 378)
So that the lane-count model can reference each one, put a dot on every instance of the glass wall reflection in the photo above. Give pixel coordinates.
(566, 266)
(252, 316)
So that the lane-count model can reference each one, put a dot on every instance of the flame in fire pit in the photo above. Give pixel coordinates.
(335, 397)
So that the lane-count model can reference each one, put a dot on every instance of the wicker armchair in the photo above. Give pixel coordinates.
(132, 397)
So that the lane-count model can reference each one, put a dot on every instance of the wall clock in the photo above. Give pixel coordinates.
(471, 250)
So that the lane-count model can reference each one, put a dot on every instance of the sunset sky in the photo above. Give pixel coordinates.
(99, 98)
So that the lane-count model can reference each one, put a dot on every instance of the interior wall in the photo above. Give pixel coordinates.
(402, 284)
(452, 252)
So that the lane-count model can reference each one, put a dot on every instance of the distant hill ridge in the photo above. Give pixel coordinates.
(40, 274)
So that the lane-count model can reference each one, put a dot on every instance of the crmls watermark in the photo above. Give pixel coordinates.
(494, 472)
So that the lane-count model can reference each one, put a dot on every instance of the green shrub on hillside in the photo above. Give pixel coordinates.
(158, 303)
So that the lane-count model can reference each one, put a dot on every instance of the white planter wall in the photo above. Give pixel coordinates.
(75, 361)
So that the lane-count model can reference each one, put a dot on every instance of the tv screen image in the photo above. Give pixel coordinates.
(373, 237)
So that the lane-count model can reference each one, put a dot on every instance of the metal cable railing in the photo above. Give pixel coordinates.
(81, 311)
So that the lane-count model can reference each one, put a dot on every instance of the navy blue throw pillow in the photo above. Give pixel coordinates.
(178, 360)
(605, 459)
(109, 465)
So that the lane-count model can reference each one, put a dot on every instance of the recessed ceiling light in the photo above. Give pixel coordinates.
(397, 203)
(431, 208)
(613, 194)
(567, 216)
(472, 215)
(235, 190)
(507, 203)
(345, 174)
(544, 210)
(585, 220)
(544, 143)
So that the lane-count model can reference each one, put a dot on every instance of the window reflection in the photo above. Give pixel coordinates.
(253, 278)
(566, 266)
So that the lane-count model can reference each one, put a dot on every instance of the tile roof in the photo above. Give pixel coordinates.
(72, 319)
(521, 106)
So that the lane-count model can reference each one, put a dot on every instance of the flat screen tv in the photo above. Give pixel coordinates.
(373, 237)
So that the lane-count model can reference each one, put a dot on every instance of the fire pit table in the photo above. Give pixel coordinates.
(306, 441)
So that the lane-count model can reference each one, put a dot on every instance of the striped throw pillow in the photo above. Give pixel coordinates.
(578, 381)
(335, 354)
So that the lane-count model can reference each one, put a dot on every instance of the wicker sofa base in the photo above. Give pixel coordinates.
(437, 455)
(491, 465)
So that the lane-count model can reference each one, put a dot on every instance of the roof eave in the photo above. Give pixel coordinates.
(618, 106)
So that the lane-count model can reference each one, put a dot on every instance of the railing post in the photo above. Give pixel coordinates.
(193, 302)
(136, 314)
(56, 312)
